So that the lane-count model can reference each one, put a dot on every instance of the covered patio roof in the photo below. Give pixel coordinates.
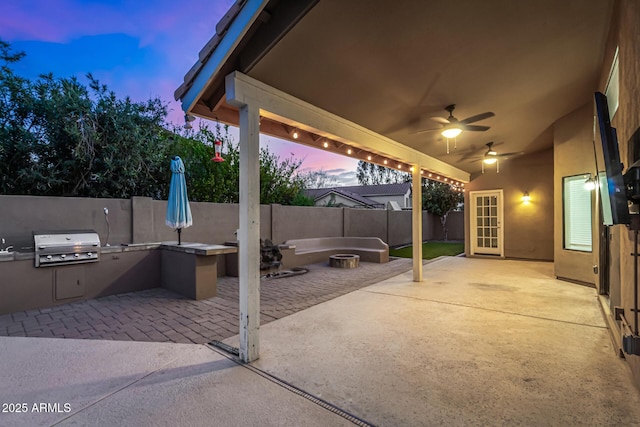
(364, 78)
(391, 66)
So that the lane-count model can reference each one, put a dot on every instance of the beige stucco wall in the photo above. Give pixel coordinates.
(625, 33)
(366, 223)
(20, 216)
(528, 228)
(142, 220)
(574, 155)
(302, 222)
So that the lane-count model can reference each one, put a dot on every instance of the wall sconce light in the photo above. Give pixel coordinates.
(590, 183)
(525, 197)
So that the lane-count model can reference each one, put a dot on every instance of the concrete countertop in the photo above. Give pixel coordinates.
(199, 248)
(189, 248)
(129, 247)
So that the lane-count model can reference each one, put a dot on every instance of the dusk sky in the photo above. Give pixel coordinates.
(140, 49)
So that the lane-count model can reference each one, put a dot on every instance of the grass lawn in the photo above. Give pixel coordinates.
(430, 250)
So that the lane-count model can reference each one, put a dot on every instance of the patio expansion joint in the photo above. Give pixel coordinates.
(111, 393)
(326, 405)
(484, 309)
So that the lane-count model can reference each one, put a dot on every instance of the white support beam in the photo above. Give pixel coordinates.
(284, 108)
(249, 233)
(416, 222)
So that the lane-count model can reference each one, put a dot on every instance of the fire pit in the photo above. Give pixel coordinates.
(344, 261)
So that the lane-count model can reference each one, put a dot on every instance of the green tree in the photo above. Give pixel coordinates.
(280, 180)
(440, 198)
(320, 179)
(372, 174)
(59, 137)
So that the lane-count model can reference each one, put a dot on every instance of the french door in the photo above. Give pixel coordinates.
(487, 237)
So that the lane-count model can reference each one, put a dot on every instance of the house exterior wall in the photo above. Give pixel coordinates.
(625, 33)
(528, 228)
(403, 200)
(574, 155)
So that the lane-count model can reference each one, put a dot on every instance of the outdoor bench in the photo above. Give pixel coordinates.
(314, 250)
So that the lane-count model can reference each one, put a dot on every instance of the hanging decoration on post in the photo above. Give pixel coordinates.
(218, 146)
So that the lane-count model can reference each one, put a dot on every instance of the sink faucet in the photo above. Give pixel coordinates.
(6, 249)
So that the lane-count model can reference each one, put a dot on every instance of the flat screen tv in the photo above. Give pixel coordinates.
(613, 195)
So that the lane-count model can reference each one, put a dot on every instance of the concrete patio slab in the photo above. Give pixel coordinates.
(106, 383)
(479, 342)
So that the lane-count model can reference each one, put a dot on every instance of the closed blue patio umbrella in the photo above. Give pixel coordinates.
(178, 210)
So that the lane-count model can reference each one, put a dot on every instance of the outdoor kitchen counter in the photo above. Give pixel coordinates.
(191, 269)
(199, 248)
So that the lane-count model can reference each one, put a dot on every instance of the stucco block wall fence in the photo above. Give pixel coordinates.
(142, 220)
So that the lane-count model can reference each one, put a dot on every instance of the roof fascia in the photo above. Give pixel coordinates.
(234, 34)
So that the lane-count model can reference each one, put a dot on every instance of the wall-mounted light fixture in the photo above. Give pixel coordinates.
(525, 197)
(590, 183)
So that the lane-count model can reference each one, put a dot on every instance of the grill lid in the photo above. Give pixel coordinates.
(66, 247)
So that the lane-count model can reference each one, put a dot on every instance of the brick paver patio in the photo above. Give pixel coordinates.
(161, 315)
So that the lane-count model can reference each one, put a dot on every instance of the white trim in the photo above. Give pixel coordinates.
(416, 224)
(612, 88)
(247, 15)
(473, 216)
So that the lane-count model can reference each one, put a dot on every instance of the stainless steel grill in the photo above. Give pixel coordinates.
(66, 247)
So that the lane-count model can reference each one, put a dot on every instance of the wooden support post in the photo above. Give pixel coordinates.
(416, 222)
(249, 233)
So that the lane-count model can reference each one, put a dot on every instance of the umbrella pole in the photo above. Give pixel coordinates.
(179, 233)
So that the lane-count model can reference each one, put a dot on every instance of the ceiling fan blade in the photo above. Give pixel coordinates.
(476, 128)
(440, 120)
(477, 117)
(425, 131)
(519, 153)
